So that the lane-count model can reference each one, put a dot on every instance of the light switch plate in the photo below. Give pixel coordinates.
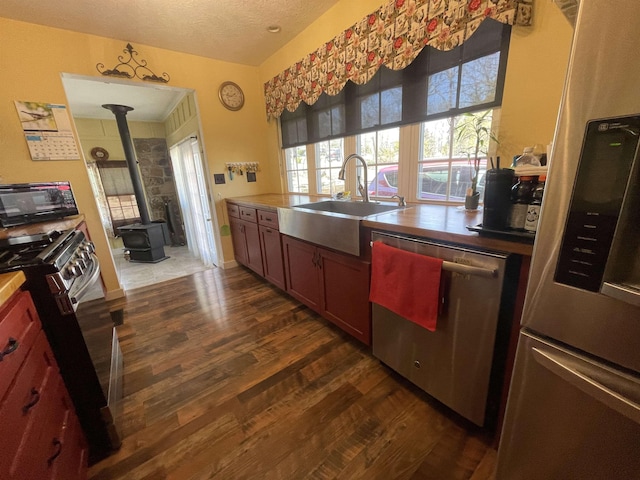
(218, 178)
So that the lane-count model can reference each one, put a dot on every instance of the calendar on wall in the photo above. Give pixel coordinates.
(47, 130)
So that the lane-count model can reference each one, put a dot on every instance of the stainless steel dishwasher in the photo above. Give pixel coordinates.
(453, 364)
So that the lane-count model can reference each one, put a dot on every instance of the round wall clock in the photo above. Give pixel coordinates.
(99, 153)
(231, 96)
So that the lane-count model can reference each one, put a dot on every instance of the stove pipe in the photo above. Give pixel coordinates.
(120, 111)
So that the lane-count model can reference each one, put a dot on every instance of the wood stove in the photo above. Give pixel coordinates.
(145, 241)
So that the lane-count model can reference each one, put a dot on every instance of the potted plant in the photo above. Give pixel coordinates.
(473, 135)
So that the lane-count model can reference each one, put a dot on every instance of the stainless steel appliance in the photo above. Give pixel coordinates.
(458, 364)
(63, 277)
(24, 203)
(574, 404)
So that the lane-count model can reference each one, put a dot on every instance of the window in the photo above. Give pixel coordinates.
(444, 168)
(297, 172)
(123, 209)
(116, 182)
(402, 123)
(380, 149)
(329, 159)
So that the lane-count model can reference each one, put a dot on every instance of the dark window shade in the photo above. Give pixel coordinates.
(115, 177)
(294, 130)
(436, 84)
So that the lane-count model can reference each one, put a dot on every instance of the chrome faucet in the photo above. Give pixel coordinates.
(401, 202)
(365, 190)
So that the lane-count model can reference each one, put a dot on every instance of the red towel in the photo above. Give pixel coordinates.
(406, 283)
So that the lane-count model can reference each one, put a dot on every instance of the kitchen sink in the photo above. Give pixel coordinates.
(358, 209)
(332, 224)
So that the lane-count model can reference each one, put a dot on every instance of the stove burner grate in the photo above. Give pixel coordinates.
(26, 250)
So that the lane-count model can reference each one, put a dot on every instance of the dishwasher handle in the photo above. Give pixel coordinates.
(469, 270)
(466, 269)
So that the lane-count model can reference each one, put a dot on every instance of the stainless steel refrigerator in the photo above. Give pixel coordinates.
(573, 410)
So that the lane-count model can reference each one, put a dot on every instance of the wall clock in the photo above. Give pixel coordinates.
(231, 96)
(99, 153)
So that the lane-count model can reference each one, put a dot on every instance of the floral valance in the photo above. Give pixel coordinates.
(392, 36)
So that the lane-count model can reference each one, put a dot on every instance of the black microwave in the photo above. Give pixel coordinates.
(24, 203)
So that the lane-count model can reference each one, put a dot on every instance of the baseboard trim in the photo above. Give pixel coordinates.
(114, 294)
(229, 264)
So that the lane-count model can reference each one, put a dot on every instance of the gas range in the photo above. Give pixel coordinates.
(64, 255)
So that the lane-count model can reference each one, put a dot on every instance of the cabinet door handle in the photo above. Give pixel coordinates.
(12, 346)
(58, 445)
(35, 398)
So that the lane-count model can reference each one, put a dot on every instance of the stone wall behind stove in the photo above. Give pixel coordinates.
(159, 184)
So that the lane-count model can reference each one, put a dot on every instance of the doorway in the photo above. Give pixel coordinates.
(154, 107)
(186, 159)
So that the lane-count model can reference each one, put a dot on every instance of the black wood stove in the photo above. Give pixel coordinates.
(145, 241)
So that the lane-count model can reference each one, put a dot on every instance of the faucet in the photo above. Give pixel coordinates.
(365, 190)
(401, 202)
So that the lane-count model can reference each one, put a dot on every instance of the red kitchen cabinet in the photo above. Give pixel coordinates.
(345, 293)
(272, 255)
(56, 452)
(41, 438)
(302, 273)
(19, 327)
(256, 242)
(246, 238)
(335, 285)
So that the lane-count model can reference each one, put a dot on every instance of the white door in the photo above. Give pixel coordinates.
(194, 200)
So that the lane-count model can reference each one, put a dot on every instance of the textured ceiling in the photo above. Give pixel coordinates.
(230, 30)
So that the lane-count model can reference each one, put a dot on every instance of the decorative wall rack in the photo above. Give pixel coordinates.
(132, 68)
(239, 168)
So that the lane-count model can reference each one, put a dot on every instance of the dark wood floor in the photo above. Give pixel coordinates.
(228, 377)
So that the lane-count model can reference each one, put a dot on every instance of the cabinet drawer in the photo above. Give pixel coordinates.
(233, 210)
(44, 453)
(25, 409)
(19, 327)
(248, 214)
(267, 218)
(73, 459)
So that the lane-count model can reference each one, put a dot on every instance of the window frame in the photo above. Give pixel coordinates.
(409, 161)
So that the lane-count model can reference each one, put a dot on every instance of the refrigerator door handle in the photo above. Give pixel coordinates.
(596, 389)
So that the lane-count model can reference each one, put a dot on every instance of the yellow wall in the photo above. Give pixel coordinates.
(32, 59)
(538, 60)
(104, 133)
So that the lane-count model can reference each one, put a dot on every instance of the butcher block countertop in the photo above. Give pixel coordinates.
(9, 283)
(437, 222)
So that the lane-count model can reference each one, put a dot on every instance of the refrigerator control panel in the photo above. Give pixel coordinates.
(609, 150)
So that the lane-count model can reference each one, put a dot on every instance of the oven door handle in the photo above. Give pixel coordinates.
(86, 284)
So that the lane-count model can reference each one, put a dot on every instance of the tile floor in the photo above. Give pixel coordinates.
(133, 274)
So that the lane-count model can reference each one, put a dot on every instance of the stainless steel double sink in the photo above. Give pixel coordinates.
(333, 224)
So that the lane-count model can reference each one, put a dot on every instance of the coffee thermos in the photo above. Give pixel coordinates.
(497, 198)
